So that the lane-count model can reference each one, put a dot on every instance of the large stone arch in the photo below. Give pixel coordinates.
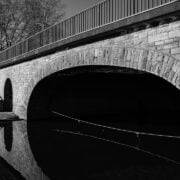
(156, 62)
(160, 64)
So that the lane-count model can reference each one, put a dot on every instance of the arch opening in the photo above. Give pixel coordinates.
(8, 96)
(8, 107)
(115, 97)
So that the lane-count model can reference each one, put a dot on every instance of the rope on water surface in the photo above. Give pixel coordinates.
(115, 142)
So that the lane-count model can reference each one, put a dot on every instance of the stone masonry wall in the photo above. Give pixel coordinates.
(155, 50)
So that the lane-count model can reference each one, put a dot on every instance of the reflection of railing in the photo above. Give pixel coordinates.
(93, 17)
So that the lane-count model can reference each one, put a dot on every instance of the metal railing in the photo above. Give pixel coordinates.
(96, 16)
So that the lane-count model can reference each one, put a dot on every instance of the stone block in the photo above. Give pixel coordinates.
(157, 37)
(175, 33)
(159, 43)
(162, 29)
(177, 56)
(175, 25)
(166, 51)
(167, 41)
(152, 31)
(175, 50)
(171, 46)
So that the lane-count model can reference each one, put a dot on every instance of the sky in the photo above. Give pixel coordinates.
(75, 6)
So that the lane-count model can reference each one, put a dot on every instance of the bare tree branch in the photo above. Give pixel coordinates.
(20, 19)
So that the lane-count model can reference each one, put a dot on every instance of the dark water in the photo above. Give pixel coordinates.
(7, 172)
(73, 157)
(129, 101)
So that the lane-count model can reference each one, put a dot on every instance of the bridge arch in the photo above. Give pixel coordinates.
(156, 62)
(41, 103)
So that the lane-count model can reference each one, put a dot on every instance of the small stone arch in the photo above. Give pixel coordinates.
(8, 96)
(8, 107)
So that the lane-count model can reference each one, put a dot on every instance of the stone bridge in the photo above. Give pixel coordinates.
(149, 47)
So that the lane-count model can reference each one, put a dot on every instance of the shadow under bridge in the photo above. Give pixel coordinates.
(104, 122)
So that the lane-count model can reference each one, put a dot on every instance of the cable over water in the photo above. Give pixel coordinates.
(118, 143)
(137, 133)
(116, 129)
